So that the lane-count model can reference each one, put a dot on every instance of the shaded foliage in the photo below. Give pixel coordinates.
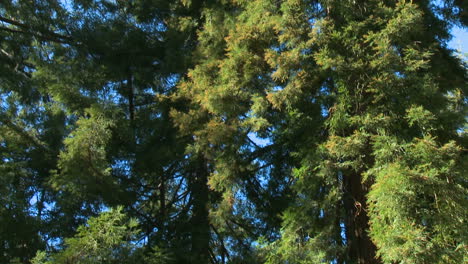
(232, 131)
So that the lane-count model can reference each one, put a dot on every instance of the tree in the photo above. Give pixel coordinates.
(363, 72)
(263, 131)
(391, 105)
(94, 134)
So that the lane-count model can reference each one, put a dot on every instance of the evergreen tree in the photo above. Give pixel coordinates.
(261, 131)
(95, 134)
(372, 191)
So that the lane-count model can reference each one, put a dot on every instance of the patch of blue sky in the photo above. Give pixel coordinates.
(459, 42)
(261, 142)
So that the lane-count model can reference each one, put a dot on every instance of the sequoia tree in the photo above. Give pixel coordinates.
(82, 128)
(369, 103)
(232, 131)
(388, 182)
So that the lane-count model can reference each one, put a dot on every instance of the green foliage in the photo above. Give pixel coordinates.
(417, 204)
(105, 239)
(384, 92)
(109, 238)
(84, 162)
(262, 131)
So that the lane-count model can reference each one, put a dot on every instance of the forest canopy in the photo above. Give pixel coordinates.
(233, 131)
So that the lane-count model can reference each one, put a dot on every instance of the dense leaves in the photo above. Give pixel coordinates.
(229, 131)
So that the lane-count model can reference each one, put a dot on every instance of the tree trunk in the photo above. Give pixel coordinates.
(200, 224)
(361, 250)
(162, 203)
(131, 104)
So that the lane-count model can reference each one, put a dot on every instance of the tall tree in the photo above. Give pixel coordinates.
(393, 141)
(261, 131)
(232, 93)
(95, 135)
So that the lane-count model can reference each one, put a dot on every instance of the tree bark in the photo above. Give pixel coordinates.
(162, 202)
(361, 250)
(131, 104)
(200, 224)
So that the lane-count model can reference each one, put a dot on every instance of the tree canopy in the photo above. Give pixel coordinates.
(233, 131)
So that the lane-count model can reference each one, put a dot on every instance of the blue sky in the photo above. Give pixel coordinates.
(460, 39)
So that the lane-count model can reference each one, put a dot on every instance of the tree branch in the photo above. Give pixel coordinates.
(22, 25)
(25, 134)
(41, 34)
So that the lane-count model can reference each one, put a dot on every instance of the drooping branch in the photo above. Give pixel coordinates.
(32, 139)
(13, 22)
(19, 65)
(45, 35)
(224, 252)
